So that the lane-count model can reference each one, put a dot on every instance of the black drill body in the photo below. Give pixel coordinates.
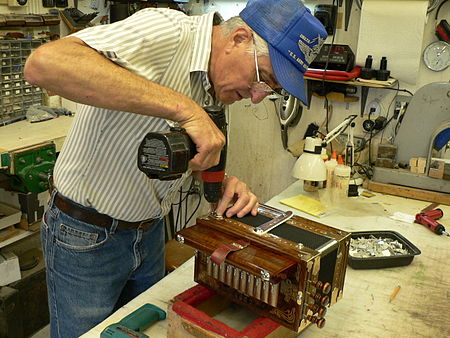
(165, 156)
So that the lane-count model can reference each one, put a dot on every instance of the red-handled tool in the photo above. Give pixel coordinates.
(429, 218)
(434, 214)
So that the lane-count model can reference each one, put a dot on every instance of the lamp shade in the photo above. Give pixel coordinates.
(310, 166)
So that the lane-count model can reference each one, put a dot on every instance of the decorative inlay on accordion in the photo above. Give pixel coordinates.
(289, 272)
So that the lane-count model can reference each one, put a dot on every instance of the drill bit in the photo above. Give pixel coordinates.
(212, 210)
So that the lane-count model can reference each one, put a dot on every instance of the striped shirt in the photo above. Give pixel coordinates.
(97, 166)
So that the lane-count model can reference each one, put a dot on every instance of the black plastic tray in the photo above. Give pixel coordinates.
(383, 262)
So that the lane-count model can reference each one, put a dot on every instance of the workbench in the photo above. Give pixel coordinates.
(420, 309)
(24, 134)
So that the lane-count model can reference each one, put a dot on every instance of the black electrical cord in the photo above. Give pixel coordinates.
(370, 143)
(193, 212)
(179, 208)
(365, 170)
(388, 110)
(327, 118)
(439, 8)
(179, 205)
(399, 90)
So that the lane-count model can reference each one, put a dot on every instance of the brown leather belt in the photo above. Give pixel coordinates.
(92, 216)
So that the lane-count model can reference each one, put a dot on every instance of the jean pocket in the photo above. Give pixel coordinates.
(44, 222)
(80, 236)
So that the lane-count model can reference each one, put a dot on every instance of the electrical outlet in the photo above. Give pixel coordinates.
(358, 141)
(402, 98)
(373, 108)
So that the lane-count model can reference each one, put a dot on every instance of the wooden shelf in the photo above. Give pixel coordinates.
(333, 96)
(19, 234)
(365, 86)
(355, 82)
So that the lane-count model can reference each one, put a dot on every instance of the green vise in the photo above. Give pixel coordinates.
(29, 168)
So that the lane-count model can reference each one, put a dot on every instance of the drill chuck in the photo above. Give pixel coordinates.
(213, 177)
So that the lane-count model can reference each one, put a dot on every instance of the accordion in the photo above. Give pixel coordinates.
(286, 269)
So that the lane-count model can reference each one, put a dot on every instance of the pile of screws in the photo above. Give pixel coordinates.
(376, 247)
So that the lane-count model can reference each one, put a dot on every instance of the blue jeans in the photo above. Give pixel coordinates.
(92, 271)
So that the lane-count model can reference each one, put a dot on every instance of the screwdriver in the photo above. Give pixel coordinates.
(429, 220)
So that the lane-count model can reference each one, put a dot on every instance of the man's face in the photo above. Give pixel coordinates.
(235, 74)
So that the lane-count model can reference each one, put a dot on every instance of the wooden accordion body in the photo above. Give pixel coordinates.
(290, 274)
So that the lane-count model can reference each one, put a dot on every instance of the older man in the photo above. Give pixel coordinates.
(103, 234)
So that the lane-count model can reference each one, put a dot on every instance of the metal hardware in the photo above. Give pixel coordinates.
(263, 228)
(265, 275)
(299, 297)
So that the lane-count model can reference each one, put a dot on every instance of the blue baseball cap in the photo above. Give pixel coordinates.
(294, 36)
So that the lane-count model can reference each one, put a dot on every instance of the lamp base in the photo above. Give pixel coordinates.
(311, 186)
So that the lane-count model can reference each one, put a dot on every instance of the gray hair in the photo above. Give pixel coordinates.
(231, 24)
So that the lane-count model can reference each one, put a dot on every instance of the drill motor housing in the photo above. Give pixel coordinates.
(165, 155)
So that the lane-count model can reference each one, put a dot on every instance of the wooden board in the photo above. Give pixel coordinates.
(196, 313)
(418, 194)
(23, 133)
(177, 254)
(8, 233)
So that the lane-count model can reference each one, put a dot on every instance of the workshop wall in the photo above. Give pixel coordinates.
(256, 154)
(37, 7)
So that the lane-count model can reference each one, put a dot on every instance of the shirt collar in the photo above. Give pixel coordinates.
(202, 42)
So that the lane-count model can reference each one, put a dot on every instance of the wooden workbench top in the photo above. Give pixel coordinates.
(420, 309)
(23, 133)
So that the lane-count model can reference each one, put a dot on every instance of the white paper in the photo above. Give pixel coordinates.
(393, 29)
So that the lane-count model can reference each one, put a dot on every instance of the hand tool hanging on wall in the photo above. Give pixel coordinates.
(289, 111)
(348, 11)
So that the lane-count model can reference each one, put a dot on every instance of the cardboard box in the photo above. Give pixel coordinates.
(8, 215)
(9, 268)
(421, 162)
(436, 169)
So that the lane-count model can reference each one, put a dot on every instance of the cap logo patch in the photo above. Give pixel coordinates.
(310, 52)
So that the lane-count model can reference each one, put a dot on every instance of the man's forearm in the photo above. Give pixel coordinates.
(77, 72)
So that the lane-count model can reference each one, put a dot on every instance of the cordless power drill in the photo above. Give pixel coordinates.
(165, 155)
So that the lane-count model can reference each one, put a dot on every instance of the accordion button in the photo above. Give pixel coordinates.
(326, 288)
(320, 322)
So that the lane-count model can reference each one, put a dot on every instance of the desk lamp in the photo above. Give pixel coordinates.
(310, 166)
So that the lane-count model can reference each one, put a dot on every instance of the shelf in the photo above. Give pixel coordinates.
(354, 82)
(340, 97)
(365, 86)
(27, 20)
(21, 234)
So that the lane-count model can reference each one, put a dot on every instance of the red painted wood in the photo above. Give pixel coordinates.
(185, 307)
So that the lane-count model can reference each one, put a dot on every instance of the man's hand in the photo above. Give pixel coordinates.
(237, 192)
(208, 139)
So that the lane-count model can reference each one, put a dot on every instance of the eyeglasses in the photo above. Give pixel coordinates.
(260, 87)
